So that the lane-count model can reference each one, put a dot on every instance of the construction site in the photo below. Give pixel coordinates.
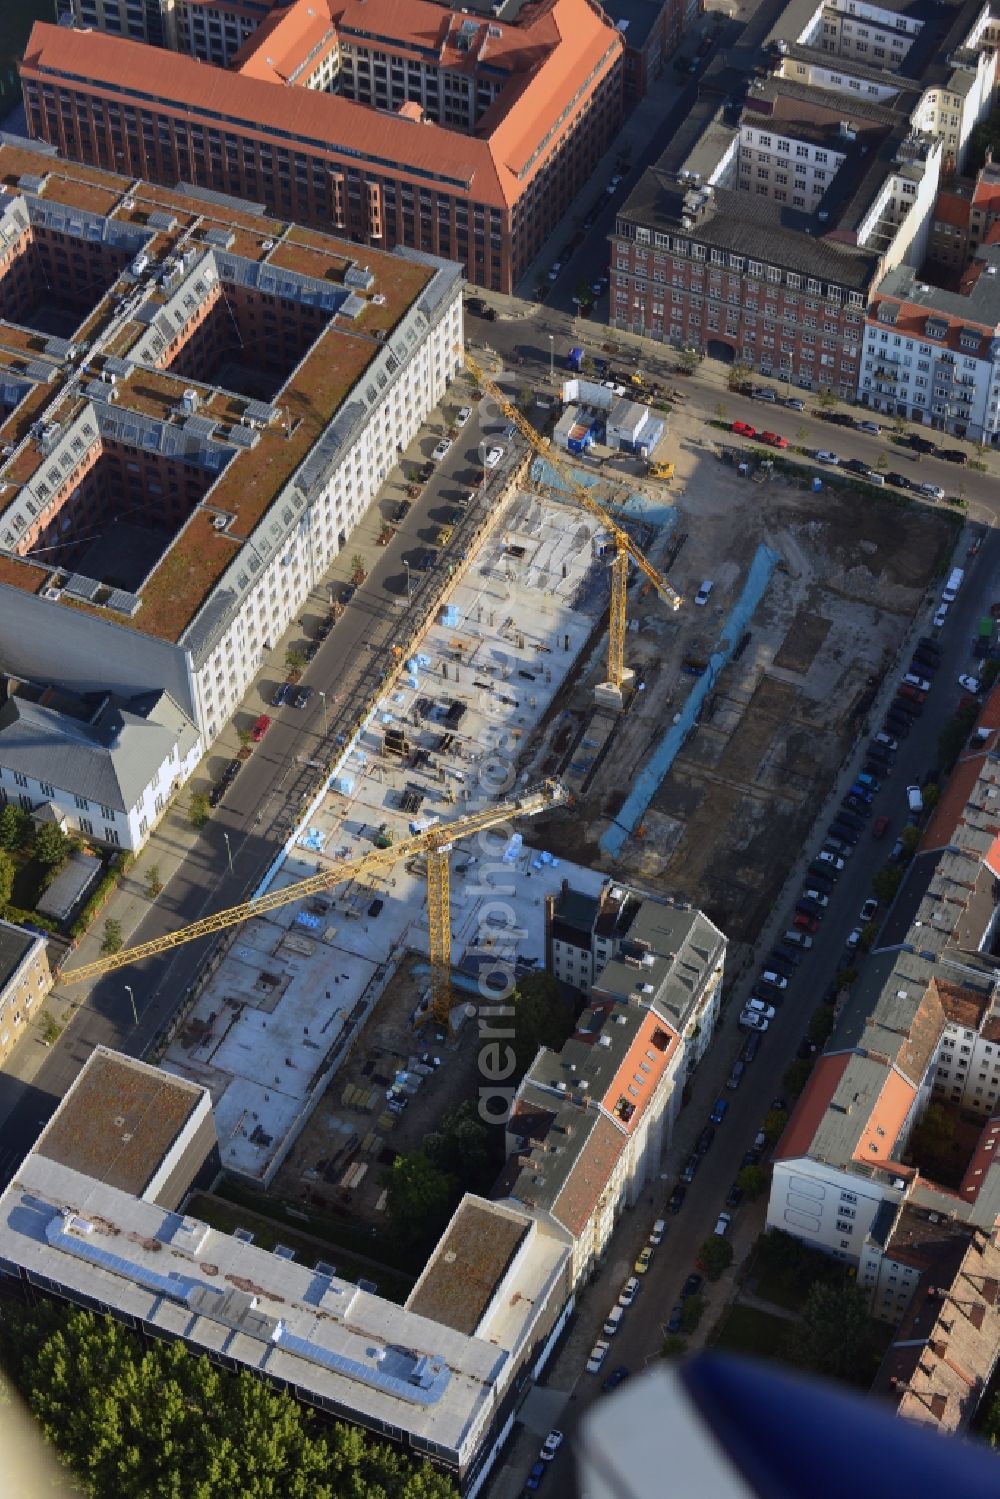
(695, 741)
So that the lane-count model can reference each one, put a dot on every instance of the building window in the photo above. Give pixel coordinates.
(82, 803)
(111, 836)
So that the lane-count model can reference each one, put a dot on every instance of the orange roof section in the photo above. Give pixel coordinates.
(952, 208)
(283, 41)
(643, 1065)
(813, 1102)
(885, 1121)
(911, 320)
(495, 171)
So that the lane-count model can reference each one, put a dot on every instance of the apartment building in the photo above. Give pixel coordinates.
(25, 980)
(630, 947)
(197, 405)
(108, 769)
(462, 135)
(933, 356)
(806, 171)
(841, 1180)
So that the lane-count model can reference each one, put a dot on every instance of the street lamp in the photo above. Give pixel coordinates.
(229, 852)
(408, 593)
(552, 357)
(135, 1013)
(322, 694)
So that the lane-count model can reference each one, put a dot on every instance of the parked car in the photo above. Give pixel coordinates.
(675, 1320)
(260, 728)
(629, 1292)
(301, 698)
(598, 1354)
(971, 684)
(804, 921)
(705, 1140)
(722, 1225)
(816, 896)
(736, 1073)
(911, 706)
(690, 1168)
(615, 1378)
(551, 1446)
(953, 455)
(914, 798)
(644, 1260)
(720, 1110)
(926, 643)
(880, 827)
(751, 1047)
(676, 1199)
(464, 412)
(774, 439)
(441, 450)
(868, 911)
(931, 491)
(920, 683)
(691, 1286)
(794, 403)
(534, 1479)
(796, 939)
(493, 457)
(657, 1231)
(743, 429)
(823, 455)
(704, 592)
(751, 1021)
(857, 467)
(844, 833)
(854, 938)
(830, 861)
(774, 978)
(900, 480)
(734, 1196)
(872, 427)
(921, 444)
(887, 741)
(758, 1007)
(281, 695)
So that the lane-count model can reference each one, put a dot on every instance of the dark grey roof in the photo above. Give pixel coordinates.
(15, 944)
(110, 760)
(980, 305)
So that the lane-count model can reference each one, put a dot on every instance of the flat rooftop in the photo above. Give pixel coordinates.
(471, 1260)
(118, 1121)
(362, 1357)
(294, 986)
(164, 259)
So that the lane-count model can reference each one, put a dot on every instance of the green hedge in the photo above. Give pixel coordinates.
(118, 867)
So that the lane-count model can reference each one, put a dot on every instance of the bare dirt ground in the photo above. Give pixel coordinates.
(852, 572)
(352, 1135)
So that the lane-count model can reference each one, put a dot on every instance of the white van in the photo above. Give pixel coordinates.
(614, 1321)
(952, 586)
(914, 799)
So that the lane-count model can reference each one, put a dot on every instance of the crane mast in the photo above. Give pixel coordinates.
(626, 549)
(435, 843)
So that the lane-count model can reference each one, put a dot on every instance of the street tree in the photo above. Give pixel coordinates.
(715, 1256)
(7, 872)
(542, 1017)
(753, 1182)
(113, 940)
(16, 827)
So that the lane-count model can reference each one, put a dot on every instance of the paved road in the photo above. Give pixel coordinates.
(259, 811)
(521, 335)
(643, 1328)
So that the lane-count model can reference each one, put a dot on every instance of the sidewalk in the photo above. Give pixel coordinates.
(175, 843)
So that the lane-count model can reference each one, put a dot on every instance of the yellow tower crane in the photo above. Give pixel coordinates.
(626, 550)
(435, 843)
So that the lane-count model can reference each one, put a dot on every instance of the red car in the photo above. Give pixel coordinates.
(744, 429)
(880, 827)
(913, 693)
(806, 923)
(774, 439)
(260, 728)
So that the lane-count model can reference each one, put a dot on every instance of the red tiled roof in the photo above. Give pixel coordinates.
(952, 209)
(911, 320)
(948, 813)
(961, 1006)
(283, 41)
(984, 1156)
(586, 1183)
(813, 1102)
(497, 170)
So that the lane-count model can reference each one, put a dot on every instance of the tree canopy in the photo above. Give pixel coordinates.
(420, 1198)
(542, 1017)
(833, 1336)
(143, 1420)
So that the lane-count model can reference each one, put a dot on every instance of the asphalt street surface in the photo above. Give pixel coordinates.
(644, 1326)
(258, 812)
